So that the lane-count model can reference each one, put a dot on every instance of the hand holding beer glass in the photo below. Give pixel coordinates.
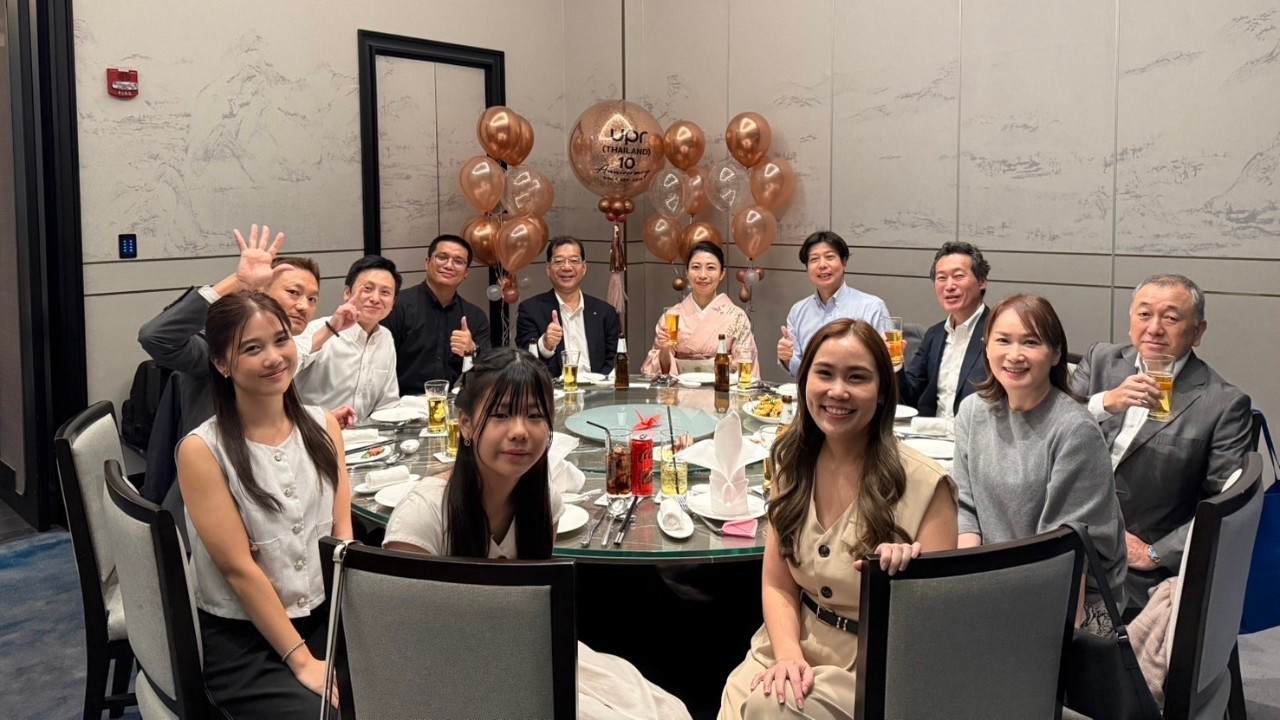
(671, 323)
(1160, 369)
(897, 344)
(437, 392)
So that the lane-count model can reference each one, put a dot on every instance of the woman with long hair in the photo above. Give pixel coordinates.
(844, 488)
(705, 315)
(495, 504)
(1029, 456)
(262, 484)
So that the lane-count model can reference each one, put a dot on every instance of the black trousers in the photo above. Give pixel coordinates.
(245, 676)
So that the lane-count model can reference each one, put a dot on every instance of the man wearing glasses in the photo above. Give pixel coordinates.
(433, 326)
(565, 318)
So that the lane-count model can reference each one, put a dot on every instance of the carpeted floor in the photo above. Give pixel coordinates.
(42, 663)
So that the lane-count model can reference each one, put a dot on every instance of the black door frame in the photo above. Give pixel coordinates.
(47, 218)
(372, 44)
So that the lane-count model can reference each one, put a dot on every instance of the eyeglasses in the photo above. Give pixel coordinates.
(457, 262)
(572, 262)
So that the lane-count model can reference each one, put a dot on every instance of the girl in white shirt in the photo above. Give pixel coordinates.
(262, 483)
(495, 505)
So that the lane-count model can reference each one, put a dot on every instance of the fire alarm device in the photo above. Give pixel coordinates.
(122, 82)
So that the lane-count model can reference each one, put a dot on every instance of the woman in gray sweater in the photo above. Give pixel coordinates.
(1029, 457)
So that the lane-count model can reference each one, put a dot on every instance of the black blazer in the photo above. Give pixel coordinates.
(918, 381)
(599, 319)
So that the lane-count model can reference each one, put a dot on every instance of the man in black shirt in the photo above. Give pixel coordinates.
(432, 325)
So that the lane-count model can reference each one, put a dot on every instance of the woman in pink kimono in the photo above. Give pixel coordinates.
(705, 315)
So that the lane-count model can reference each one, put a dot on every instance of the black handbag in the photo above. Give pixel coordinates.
(1101, 676)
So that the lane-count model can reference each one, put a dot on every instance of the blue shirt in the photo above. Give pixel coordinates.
(809, 315)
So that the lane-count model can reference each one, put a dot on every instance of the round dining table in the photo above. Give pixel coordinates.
(644, 541)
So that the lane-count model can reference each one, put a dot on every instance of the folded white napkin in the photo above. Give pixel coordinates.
(565, 478)
(378, 479)
(586, 376)
(417, 402)
(727, 457)
(361, 436)
(932, 426)
(670, 516)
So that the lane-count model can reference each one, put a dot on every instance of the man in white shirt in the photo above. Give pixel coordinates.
(948, 365)
(565, 318)
(1163, 469)
(348, 358)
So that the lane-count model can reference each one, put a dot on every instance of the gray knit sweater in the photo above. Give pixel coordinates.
(1023, 473)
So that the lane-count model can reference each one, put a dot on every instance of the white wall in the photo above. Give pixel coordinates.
(1083, 146)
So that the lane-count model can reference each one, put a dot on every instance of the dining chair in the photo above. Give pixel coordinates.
(157, 589)
(1204, 663)
(978, 632)
(423, 636)
(81, 446)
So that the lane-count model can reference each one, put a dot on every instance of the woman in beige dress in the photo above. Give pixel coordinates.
(844, 488)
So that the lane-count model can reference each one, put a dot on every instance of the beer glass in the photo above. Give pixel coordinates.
(569, 360)
(746, 368)
(617, 449)
(671, 324)
(1160, 369)
(453, 431)
(675, 477)
(437, 405)
(893, 338)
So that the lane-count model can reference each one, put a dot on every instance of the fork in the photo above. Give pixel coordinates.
(684, 505)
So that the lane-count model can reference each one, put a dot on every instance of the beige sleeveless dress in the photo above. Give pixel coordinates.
(832, 653)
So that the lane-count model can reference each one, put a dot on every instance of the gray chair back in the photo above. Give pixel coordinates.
(969, 633)
(1211, 597)
(157, 588)
(422, 636)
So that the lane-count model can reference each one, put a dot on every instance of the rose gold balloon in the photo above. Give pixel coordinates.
(603, 205)
(528, 192)
(524, 145)
(628, 206)
(518, 244)
(696, 233)
(481, 232)
(511, 295)
(741, 275)
(754, 229)
(482, 182)
(684, 143)
(745, 294)
(618, 206)
(499, 131)
(772, 183)
(696, 181)
(545, 229)
(748, 137)
(662, 237)
(679, 284)
(615, 148)
(760, 272)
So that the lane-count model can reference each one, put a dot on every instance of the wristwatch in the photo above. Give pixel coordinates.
(1153, 554)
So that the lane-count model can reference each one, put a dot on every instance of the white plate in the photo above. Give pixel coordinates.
(571, 518)
(391, 496)
(398, 414)
(364, 489)
(701, 504)
(937, 449)
(702, 378)
(904, 412)
(750, 409)
(788, 389)
(681, 533)
(360, 456)
(588, 377)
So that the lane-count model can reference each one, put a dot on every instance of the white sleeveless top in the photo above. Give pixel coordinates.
(284, 545)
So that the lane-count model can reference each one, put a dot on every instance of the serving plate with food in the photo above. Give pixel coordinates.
(766, 409)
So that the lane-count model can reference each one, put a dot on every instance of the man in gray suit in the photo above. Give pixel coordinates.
(1163, 469)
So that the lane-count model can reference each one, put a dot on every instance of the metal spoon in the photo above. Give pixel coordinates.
(617, 507)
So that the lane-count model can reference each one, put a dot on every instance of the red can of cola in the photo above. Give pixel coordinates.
(642, 464)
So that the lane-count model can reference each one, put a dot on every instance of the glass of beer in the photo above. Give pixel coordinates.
(452, 431)
(893, 338)
(1160, 369)
(746, 368)
(672, 319)
(569, 361)
(617, 449)
(437, 405)
(675, 477)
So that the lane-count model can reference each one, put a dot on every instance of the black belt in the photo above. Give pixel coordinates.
(829, 616)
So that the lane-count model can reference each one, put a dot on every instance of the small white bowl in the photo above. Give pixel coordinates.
(409, 447)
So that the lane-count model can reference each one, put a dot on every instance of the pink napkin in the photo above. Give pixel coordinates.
(740, 528)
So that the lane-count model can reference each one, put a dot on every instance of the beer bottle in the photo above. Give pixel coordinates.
(621, 367)
(722, 365)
